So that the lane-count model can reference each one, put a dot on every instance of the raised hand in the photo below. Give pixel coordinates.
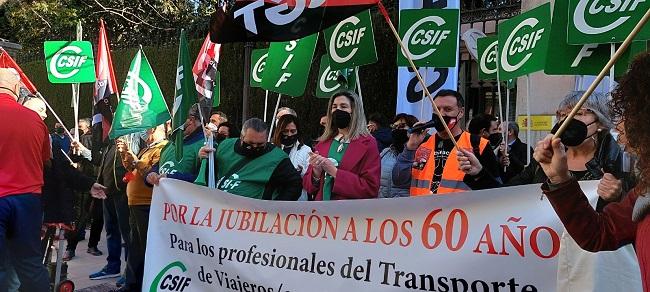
(551, 155)
(468, 163)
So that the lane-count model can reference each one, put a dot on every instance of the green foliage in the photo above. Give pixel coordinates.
(34, 22)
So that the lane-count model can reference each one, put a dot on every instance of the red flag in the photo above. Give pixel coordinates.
(7, 62)
(205, 69)
(280, 20)
(105, 86)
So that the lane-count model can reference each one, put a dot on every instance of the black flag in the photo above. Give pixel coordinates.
(266, 20)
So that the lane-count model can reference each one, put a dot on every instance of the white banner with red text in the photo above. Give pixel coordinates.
(201, 239)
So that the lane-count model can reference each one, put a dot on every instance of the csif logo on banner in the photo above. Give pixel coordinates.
(592, 21)
(328, 79)
(286, 69)
(351, 42)
(525, 39)
(487, 56)
(258, 63)
(172, 278)
(430, 37)
(69, 62)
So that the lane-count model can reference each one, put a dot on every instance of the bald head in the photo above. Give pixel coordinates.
(9, 82)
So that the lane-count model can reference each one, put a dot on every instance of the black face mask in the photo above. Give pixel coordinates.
(341, 119)
(321, 130)
(251, 152)
(59, 131)
(400, 137)
(495, 140)
(574, 134)
(450, 121)
(220, 138)
(289, 140)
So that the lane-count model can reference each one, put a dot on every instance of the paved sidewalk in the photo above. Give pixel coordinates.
(84, 264)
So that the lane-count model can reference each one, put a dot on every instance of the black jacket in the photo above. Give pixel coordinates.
(608, 158)
(518, 159)
(111, 170)
(60, 182)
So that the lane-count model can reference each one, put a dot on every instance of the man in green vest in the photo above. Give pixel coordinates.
(187, 168)
(252, 167)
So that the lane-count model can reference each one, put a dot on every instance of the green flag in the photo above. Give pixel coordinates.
(185, 94)
(142, 105)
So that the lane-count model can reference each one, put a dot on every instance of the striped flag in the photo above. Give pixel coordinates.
(105, 86)
(205, 71)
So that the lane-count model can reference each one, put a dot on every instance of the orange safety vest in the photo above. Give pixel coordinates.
(452, 176)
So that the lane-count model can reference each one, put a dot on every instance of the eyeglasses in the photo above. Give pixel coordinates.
(399, 126)
(582, 112)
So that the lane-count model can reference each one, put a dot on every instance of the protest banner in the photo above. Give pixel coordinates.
(327, 82)
(585, 59)
(105, 87)
(258, 63)
(287, 66)
(277, 21)
(185, 95)
(411, 98)
(597, 22)
(487, 57)
(205, 72)
(142, 105)
(351, 43)
(207, 240)
(69, 62)
(523, 40)
(430, 37)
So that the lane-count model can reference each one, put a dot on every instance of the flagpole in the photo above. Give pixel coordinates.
(528, 123)
(383, 11)
(602, 73)
(275, 113)
(612, 51)
(38, 94)
(504, 122)
(426, 75)
(266, 104)
(356, 72)
(75, 91)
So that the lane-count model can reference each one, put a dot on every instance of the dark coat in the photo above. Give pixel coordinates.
(61, 180)
(518, 159)
(608, 158)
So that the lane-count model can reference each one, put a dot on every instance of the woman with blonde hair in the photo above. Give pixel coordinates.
(345, 163)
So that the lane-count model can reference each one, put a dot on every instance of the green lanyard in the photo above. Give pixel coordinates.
(337, 149)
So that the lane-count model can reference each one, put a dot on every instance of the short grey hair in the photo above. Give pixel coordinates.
(597, 103)
(256, 125)
(514, 127)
